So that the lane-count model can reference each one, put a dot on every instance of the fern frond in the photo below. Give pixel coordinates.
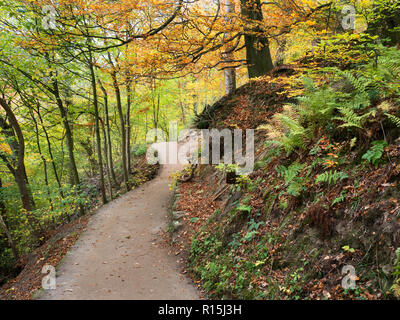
(394, 119)
(350, 118)
(331, 177)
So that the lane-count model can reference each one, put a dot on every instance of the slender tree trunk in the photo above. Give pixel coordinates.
(123, 132)
(108, 171)
(156, 107)
(280, 53)
(230, 73)
(156, 110)
(44, 161)
(69, 139)
(49, 147)
(108, 135)
(258, 53)
(90, 152)
(97, 128)
(68, 134)
(19, 172)
(128, 123)
(17, 168)
(181, 103)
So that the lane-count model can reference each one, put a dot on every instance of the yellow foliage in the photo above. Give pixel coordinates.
(5, 148)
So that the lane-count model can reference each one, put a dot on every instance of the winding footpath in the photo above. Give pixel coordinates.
(119, 256)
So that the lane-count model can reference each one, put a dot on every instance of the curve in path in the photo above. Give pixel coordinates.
(117, 257)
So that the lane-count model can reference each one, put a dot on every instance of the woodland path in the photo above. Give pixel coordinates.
(119, 255)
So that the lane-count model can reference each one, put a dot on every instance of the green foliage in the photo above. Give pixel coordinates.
(293, 285)
(297, 122)
(245, 183)
(253, 225)
(226, 167)
(274, 151)
(347, 100)
(293, 181)
(385, 72)
(221, 271)
(287, 129)
(394, 119)
(383, 19)
(344, 50)
(339, 199)
(360, 84)
(244, 208)
(331, 177)
(348, 249)
(374, 154)
(250, 235)
(317, 104)
(350, 118)
(139, 151)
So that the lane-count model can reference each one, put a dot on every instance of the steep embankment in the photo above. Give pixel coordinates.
(303, 217)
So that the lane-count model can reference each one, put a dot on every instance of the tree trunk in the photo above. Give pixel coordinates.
(128, 123)
(181, 103)
(19, 172)
(105, 146)
(68, 134)
(69, 139)
(108, 135)
(258, 53)
(97, 128)
(17, 167)
(123, 132)
(44, 161)
(53, 163)
(156, 107)
(230, 73)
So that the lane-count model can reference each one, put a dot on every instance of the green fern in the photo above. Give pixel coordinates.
(394, 119)
(286, 130)
(374, 155)
(350, 118)
(290, 172)
(361, 84)
(291, 175)
(385, 73)
(339, 199)
(317, 104)
(295, 124)
(331, 177)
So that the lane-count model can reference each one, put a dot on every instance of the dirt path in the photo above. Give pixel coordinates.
(118, 256)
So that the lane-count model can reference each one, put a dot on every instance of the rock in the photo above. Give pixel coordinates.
(176, 215)
(387, 269)
(177, 225)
